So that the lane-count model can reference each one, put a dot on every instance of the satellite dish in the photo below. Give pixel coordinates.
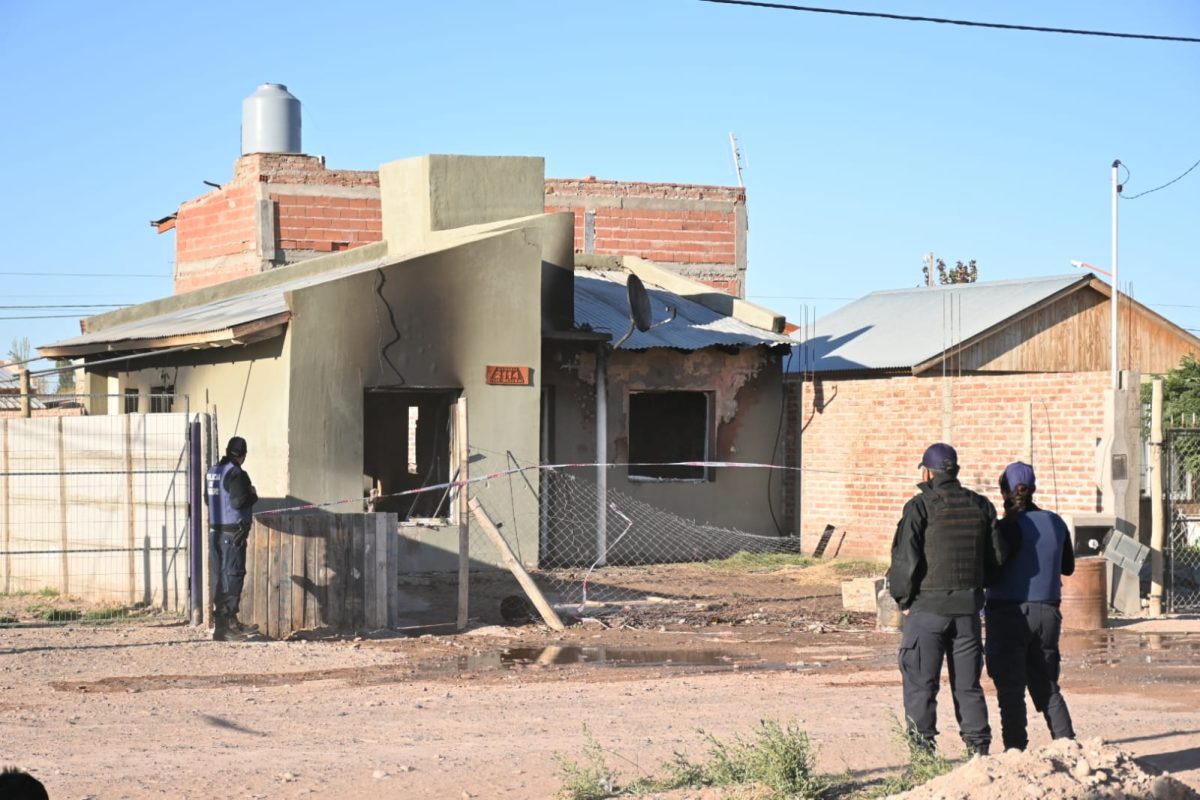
(639, 303)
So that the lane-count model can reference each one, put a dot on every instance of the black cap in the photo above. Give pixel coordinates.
(236, 446)
(939, 457)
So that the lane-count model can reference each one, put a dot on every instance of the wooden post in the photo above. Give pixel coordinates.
(25, 390)
(130, 513)
(6, 497)
(539, 601)
(1157, 537)
(1029, 433)
(464, 519)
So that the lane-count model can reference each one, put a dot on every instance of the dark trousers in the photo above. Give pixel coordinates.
(227, 569)
(1022, 653)
(928, 639)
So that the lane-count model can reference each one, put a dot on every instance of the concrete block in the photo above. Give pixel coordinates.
(861, 594)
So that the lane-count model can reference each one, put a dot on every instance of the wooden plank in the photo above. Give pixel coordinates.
(283, 576)
(357, 590)
(6, 505)
(393, 534)
(314, 597)
(383, 578)
(246, 609)
(299, 577)
(336, 561)
(365, 527)
(272, 579)
(262, 572)
(464, 519)
(531, 590)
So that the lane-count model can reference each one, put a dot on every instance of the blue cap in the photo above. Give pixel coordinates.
(939, 457)
(1017, 473)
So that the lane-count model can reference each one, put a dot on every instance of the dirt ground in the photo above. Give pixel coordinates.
(151, 708)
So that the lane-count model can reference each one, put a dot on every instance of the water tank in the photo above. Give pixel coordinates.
(271, 121)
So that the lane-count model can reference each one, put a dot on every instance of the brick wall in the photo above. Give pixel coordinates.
(699, 228)
(277, 209)
(863, 440)
(280, 209)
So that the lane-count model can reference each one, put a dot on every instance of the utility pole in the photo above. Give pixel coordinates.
(929, 269)
(1116, 189)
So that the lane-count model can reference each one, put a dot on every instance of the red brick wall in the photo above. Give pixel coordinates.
(664, 222)
(220, 223)
(325, 224)
(860, 453)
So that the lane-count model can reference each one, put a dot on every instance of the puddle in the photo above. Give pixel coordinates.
(601, 656)
(1111, 648)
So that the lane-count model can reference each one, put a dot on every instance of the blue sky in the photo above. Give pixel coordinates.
(867, 142)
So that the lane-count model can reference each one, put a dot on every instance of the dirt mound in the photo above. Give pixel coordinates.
(1062, 770)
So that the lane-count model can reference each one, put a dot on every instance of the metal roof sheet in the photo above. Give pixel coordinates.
(601, 302)
(218, 315)
(902, 328)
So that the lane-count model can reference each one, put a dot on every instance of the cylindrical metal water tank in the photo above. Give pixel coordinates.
(1085, 596)
(271, 121)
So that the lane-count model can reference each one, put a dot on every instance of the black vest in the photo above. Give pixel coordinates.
(955, 538)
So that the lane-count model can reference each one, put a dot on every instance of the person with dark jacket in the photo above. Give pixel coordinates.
(944, 546)
(1022, 612)
(231, 499)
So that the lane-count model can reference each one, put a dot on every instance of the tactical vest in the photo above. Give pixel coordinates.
(220, 508)
(1033, 572)
(955, 538)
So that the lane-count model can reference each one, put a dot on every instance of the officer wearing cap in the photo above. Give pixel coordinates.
(1022, 612)
(944, 545)
(231, 499)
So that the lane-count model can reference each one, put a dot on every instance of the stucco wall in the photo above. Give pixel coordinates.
(863, 440)
(746, 393)
(457, 312)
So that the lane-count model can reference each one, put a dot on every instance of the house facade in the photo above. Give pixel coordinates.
(1003, 370)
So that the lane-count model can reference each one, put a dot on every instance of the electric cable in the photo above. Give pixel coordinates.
(962, 22)
(392, 320)
(1156, 188)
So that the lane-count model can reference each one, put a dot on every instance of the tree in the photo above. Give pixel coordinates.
(960, 273)
(1181, 393)
(66, 378)
(19, 352)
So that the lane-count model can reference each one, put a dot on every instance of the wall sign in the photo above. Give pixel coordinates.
(509, 376)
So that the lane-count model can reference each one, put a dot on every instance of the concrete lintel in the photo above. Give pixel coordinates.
(644, 203)
(325, 190)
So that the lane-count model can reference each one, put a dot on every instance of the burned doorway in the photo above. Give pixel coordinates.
(407, 438)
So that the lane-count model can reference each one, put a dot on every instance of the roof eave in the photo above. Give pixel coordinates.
(233, 336)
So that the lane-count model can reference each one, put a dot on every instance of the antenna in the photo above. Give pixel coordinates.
(737, 158)
(641, 316)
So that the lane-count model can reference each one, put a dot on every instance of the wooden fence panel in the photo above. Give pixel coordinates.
(322, 571)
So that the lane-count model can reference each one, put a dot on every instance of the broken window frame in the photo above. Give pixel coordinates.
(645, 474)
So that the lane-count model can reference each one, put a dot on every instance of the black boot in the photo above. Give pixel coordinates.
(237, 626)
(221, 630)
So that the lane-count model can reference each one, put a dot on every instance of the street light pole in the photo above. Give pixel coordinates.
(1115, 290)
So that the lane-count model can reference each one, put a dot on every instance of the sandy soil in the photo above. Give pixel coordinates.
(154, 709)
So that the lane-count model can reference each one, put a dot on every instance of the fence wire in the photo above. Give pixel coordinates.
(1183, 504)
(94, 522)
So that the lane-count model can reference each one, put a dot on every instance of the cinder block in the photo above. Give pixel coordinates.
(861, 594)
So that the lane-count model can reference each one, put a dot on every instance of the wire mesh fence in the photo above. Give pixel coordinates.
(1183, 516)
(94, 519)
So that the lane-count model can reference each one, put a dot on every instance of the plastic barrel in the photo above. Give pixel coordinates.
(1085, 596)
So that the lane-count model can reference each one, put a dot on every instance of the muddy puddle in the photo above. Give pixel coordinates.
(601, 656)
(1113, 648)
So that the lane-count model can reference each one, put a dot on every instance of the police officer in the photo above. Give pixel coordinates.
(1023, 616)
(945, 541)
(231, 499)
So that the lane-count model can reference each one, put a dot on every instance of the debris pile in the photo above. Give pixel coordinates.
(1062, 770)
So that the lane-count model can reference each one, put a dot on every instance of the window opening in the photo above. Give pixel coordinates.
(668, 427)
(161, 399)
(131, 401)
(406, 446)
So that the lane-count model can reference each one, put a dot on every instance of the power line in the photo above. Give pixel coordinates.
(45, 316)
(962, 22)
(92, 274)
(1165, 185)
(72, 305)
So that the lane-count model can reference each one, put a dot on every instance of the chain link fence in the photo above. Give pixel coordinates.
(94, 523)
(1183, 517)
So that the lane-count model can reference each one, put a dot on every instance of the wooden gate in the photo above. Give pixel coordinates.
(320, 571)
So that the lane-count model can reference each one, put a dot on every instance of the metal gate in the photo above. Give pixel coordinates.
(94, 523)
(1182, 552)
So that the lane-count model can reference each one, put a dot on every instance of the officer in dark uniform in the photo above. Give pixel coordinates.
(944, 544)
(231, 499)
(1023, 616)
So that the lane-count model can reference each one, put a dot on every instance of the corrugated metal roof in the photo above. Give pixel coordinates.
(10, 392)
(601, 302)
(218, 315)
(902, 328)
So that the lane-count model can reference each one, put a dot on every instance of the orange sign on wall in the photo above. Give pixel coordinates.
(509, 376)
